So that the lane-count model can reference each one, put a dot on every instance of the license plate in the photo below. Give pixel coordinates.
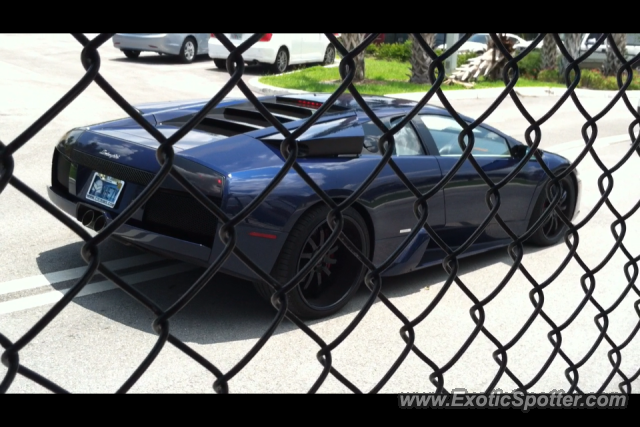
(104, 190)
(236, 36)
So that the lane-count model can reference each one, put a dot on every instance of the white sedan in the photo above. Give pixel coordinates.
(185, 46)
(478, 43)
(277, 50)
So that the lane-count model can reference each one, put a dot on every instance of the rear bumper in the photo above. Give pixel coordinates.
(264, 54)
(161, 43)
(261, 251)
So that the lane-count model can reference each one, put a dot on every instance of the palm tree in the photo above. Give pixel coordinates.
(420, 61)
(351, 41)
(572, 43)
(611, 63)
(549, 52)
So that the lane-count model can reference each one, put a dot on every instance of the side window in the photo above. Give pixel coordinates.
(407, 140)
(445, 132)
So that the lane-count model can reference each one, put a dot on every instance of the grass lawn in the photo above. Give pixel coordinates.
(382, 77)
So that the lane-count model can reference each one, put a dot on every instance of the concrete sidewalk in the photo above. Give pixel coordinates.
(531, 92)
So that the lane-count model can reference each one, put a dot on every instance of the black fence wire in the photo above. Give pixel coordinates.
(289, 148)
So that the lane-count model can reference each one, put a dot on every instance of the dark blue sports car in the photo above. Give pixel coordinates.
(234, 153)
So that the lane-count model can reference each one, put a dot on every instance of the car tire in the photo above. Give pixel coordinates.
(329, 55)
(282, 61)
(188, 50)
(553, 230)
(220, 63)
(329, 287)
(132, 54)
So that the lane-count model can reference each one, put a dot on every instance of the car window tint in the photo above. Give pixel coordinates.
(371, 136)
(445, 132)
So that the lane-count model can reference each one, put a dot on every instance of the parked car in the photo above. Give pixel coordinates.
(185, 46)
(478, 43)
(234, 152)
(403, 37)
(277, 50)
(597, 58)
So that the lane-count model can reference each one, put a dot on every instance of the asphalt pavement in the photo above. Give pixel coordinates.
(103, 335)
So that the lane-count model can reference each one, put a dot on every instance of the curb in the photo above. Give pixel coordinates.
(264, 89)
(525, 92)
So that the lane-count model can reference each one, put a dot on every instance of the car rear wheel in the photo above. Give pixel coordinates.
(335, 280)
(329, 55)
(220, 63)
(188, 50)
(131, 53)
(553, 229)
(282, 61)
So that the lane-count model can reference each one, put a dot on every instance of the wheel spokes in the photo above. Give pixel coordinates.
(308, 282)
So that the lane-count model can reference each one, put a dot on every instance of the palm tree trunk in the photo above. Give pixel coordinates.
(420, 61)
(549, 53)
(351, 41)
(611, 63)
(572, 43)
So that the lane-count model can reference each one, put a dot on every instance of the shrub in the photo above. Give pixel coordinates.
(530, 65)
(550, 75)
(591, 79)
(394, 51)
(463, 58)
(372, 50)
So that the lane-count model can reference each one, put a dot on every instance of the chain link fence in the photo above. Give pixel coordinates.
(289, 148)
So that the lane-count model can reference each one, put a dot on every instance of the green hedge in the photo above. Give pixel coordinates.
(530, 65)
(402, 52)
(589, 79)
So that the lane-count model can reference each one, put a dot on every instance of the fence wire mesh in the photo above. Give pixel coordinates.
(289, 147)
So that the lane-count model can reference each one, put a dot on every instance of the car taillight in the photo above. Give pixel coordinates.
(266, 38)
(213, 36)
(309, 103)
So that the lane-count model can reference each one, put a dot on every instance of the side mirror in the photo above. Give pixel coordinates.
(519, 151)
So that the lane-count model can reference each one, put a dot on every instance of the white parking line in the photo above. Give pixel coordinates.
(33, 282)
(93, 288)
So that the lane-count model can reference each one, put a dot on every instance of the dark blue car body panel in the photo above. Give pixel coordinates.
(245, 164)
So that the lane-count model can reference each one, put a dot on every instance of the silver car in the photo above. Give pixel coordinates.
(185, 46)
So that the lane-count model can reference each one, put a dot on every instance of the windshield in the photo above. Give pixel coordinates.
(478, 38)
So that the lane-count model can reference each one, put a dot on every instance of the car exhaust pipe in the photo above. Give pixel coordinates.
(87, 219)
(99, 223)
(93, 219)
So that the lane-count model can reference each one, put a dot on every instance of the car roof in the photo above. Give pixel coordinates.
(242, 117)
